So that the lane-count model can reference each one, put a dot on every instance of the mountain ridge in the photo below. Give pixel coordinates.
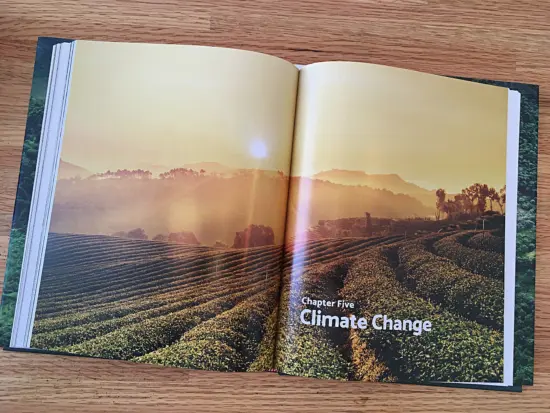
(390, 182)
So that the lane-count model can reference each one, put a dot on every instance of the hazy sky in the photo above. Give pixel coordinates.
(133, 106)
(431, 130)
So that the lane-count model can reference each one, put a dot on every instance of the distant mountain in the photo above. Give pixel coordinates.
(68, 170)
(210, 167)
(391, 182)
(155, 169)
(212, 208)
(330, 201)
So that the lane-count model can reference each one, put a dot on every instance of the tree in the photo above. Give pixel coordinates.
(463, 203)
(160, 237)
(441, 195)
(137, 233)
(494, 196)
(123, 174)
(471, 194)
(483, 193)
(502, 193)
(183, 237)
(178, 173)
(254, 236)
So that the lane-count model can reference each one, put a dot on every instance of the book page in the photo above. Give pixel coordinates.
(395, 266)
(166, 236)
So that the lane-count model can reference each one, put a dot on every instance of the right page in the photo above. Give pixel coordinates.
(397, 232)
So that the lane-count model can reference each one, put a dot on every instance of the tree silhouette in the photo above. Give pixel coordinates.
(123, 174)
(483, 193)
(137, 233)
(178, 173)
(470, 201)
(254, 236)
(494, 196)
(502, 193)
(441, 195)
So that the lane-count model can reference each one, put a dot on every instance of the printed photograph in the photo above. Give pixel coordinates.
(397, 205)
(166, 235)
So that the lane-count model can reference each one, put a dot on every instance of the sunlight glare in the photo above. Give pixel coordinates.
(258, 149)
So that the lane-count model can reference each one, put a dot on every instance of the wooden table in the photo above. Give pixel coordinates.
(504, 40)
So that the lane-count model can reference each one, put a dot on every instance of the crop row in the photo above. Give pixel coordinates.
(487, 242)
(199, 283)
(348, 249)
(141, 338)
(227, 342)
(160, 282)
(316, 248)
(454, 350)
(90, 251)
(96, 254)
(266, 348)
(305, 350)
(143, 301)
(471, 295)
(299, 251)
(118, 270)
(59, 276)
(487, 263)
(122, 273)
(156, 274)
(115, 291)
(76, 334)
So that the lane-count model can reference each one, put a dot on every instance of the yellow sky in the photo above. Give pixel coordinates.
(135, 105)
(431, 130)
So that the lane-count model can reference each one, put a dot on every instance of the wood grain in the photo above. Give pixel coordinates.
(504, 40)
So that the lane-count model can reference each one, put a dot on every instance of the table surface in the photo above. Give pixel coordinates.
(504, 40)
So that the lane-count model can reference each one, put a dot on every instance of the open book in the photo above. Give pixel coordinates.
(220, 209)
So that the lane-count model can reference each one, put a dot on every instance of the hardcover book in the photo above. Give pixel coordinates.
(220, 209)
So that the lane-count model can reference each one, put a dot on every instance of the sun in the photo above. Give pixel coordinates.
(258, 149)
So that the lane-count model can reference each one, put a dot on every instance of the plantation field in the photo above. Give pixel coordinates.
(201, 307)
(441, 277)
(166, 303)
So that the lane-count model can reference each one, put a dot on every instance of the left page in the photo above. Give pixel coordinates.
(167, 227)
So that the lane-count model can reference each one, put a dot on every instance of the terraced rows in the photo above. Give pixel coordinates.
(200, 307)
(439, 279)
(405, 280)
(227, 342)
(144, 300)
(456, 349)
(305, 350)
(478, 261)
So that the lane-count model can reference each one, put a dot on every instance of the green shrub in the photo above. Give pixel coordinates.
(266, 348)
(454, 350)
(142, 338)
(79, 333)
(303, 350)
(239, 329)
(471, 295)
(199, 354)
(490, 264)
(487, 242)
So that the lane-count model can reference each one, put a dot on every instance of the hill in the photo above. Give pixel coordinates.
(214, 208)
(210, 167)
(68, 170)
(391, 182)
(329, 201)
